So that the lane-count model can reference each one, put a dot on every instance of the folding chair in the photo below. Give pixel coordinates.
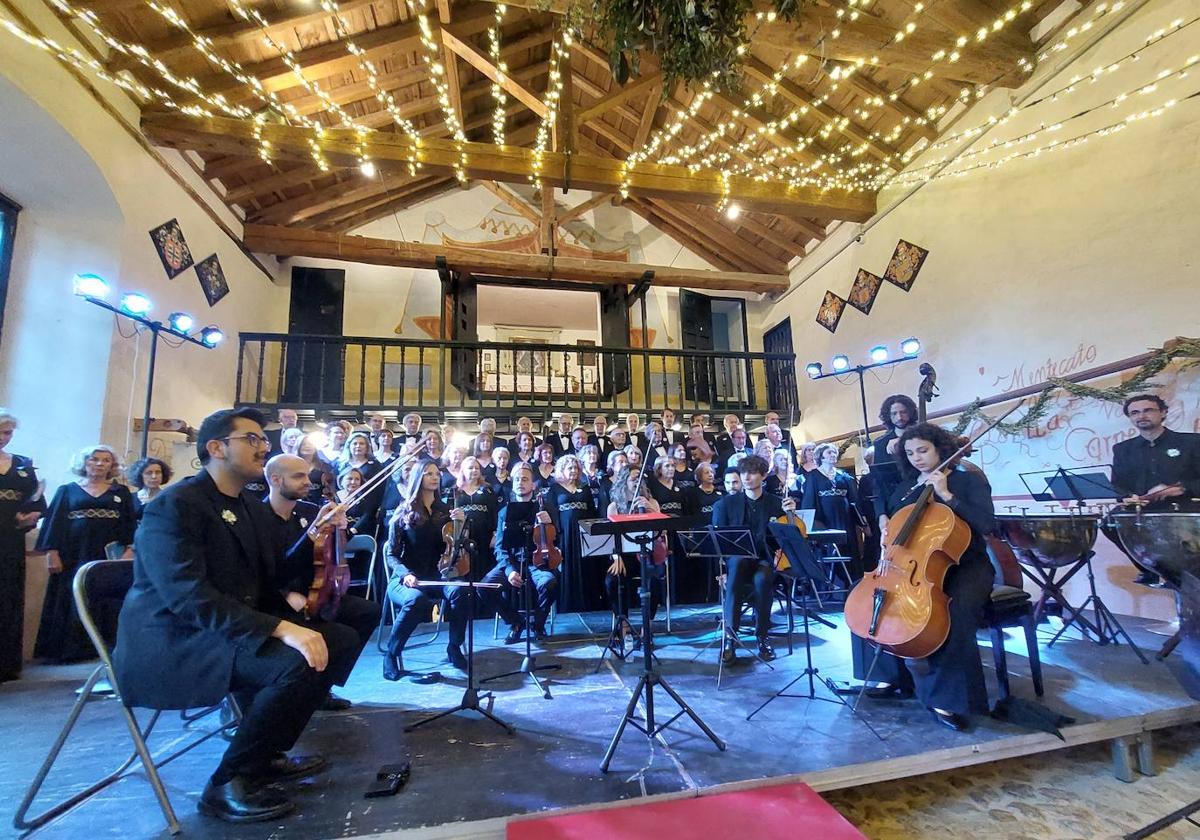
(362, 544)
(107, 578)
(387, 615)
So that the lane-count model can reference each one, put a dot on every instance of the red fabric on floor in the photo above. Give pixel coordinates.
(793, 810)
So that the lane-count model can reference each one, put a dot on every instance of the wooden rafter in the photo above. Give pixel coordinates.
(483, 64)
(516, 202)
(620, 96)
(686, 236)
(392, 152)
(296, 242)
(584, 207)
(728, 241)
(430, 191)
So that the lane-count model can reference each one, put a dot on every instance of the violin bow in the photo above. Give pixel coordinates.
(368, 486)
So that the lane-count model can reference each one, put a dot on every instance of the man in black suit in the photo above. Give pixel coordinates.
(751, 509)
(724, 441)
(293, 518)
(198, 622)
(897, 413)
(288, 419)
(670, 435)
(599, 436)
(410, 428)
(561, 439)
(702, 421)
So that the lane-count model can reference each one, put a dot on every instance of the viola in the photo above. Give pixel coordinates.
(331, 574)
(546, 554)
(789, 518)
(455, 561)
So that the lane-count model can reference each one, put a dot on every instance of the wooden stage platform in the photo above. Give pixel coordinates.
(470, 778)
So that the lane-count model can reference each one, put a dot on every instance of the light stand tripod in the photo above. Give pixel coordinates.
(650, 676)
(471, 696)
(516, 538)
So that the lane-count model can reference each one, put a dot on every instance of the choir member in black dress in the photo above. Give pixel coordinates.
(321, 477)
(357, 453)
(524, 424)
(780, 480)
(84, 517)
(806, 455)
(897, 413)
(833, 494)
(751, 509)
(592, 475)
(288, 419)
(569, 500)
(481, 449)
(384, 446)
(496, 473)
(361, 514)
(950, 682)
(523, 448)
(705, 492)
(544, 466)
(293, 534)
(22, 503)
(412, 551)
(509, 560)
(148, 476)
(336, 435)
(617, 584)
(474, 495)
(683, 471)
(487, 433)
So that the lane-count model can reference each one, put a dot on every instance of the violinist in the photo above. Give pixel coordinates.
(569, 500)
(293, 537)
(413, 548)
(474, 495)
(509, 560)
(628, 497)
(950, 682)
(750, 508)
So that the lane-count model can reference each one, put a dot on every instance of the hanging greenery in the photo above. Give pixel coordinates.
(693, 40)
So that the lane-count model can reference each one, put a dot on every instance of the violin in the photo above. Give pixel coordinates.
(331, 573)
(782, 563)
(546, 554)
(902, 606)
(455, 561)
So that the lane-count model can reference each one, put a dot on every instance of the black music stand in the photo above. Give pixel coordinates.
(609, 546)
(721, 544)
(515, 538)
(1075, 485)
(650, 676)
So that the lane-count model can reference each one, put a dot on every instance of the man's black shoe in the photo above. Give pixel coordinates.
(333, 703)
(728, 656)
(952, 720)
(539, 632)
(514, 634)
(455, 655)
(393, 667)
(241, 801)
(1148, 579)
(283, 767)
(765, 651)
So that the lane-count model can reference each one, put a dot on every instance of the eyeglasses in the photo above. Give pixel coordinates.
(250, 437)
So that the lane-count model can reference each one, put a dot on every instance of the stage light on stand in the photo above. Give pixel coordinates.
(910, 347)
(841, 363)
(879, 353)
(90, 286)
(813, 370)
(211, 336)
(181, 322)
(135, 303)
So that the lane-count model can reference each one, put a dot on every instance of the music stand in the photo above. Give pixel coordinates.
(515, 538)
(606, 545)
(721, 544)
(796, 548)
(650, 676)
(1072, 484)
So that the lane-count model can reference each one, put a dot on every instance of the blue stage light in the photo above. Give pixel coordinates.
(90, 285)
(910, 347)
(135, 303)
(841, 363)
(211, 336)
(813, 370)
(879, 353)
(181, 322)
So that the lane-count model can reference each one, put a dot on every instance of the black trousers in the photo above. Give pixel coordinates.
(12, 608)
(413, 606)
(361, 616)
(621, 588)
(753, 577)
(507, 600)
(952, 678)
(283, 692)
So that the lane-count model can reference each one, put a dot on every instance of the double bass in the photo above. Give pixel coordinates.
(902, 606)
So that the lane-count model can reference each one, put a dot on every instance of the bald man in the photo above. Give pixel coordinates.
(292, 539)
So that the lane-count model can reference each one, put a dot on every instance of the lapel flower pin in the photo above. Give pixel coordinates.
(229, 516)
(1172, 453)
(303, 522)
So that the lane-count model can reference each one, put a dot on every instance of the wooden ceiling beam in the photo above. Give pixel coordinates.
(584, 207)
(297, 242)
(346, 212)
(425, 193)
(777, 238)
(685, 236)
(646, 121)
(391, 152)
(729, 242)
(292, 210)
(281, 180)
(620, 96)
(523, 208)
(483, 64)
(901, 106)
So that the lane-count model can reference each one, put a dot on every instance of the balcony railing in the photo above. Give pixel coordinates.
(336, 375)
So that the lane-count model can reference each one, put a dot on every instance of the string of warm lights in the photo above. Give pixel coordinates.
(385, 98)
(560, 50)
(500, 114)
(667, 130)
(1074, 85)
(437, 74)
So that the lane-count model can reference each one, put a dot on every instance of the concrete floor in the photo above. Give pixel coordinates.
(464, 768)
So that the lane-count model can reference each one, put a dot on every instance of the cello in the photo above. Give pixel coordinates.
(901, 605)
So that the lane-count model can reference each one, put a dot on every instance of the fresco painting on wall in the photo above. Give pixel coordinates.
(865, 289)
(212, 279)
(172, 248)
(831, 311)
(906, 263)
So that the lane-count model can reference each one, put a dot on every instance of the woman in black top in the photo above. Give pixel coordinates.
(321, 478)
(544, 467)
(362, 513)
(684, 476)
(496, 473)
(833, 494)
(568, 502)
(413, 548)
(148, 476)
(705, 492)
(84, 518)
(481, 506)
(950, 682)
(592, 475)
(617, 581)
(674, 500)
(22, 503)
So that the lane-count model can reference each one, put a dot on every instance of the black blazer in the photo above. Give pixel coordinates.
(201, 588)
(730, 512)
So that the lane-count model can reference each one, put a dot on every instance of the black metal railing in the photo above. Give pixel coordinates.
(336, 375)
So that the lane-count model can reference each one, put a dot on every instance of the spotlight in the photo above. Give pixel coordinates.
(181, 322)
(211, 336)
(90, 285)
(879, 353)
(813, 370)
(910, 347)
(733, 211)
(841, 363)
(367, 168)
(135, 303)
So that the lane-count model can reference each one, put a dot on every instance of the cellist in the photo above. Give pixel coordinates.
(949, 682)
(288, 480)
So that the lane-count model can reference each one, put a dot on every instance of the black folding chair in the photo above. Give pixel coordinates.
(100, 582)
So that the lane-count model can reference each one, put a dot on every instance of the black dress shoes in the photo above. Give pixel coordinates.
(333, 703)
(393, 667)
(283, 767)
(728, 656)
(242, 801)
(765, 652)
(952, 720)
(514, 634)
(455, 655)
(539, 632)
